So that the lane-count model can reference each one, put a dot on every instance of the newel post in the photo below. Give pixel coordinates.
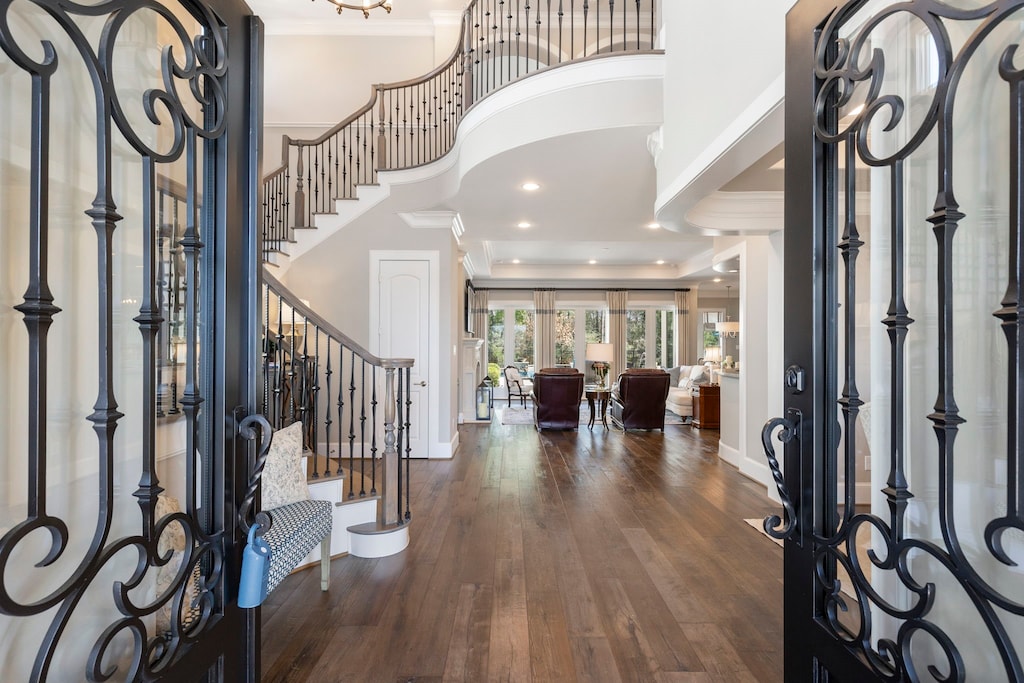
(300, 195)
(387, 511)
(382, 141)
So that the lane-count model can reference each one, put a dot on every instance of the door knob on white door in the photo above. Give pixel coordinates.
(422, 383)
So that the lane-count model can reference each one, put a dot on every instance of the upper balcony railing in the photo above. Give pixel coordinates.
(414, 122)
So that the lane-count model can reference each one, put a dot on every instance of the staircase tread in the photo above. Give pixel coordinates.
(374, 528)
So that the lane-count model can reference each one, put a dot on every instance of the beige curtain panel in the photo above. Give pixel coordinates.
(686, 328)
(544, 335)
(617, 330)
(478, 310)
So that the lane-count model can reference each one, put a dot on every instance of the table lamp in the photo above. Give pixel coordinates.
(601, 356)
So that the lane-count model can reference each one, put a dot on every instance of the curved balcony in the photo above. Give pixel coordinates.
(408, 124)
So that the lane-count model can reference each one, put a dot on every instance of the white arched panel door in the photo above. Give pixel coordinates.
(405, 330)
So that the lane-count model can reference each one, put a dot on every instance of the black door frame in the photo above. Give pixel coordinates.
(224, 645)
(815, 376)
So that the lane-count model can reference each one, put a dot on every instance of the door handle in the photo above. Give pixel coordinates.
(775, 526)
(421, 383)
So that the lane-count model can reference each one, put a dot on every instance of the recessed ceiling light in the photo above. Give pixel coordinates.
(524, 225)
(515, 260)
(654, 225)
(660, 262)
(734, 271)
(530, 187)
(592, 261)
(717, 279)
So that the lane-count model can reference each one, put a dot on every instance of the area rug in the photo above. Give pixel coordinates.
(518, 415)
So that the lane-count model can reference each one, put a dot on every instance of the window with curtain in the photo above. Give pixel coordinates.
(496, 345)
(636, 338)
(596, 326)
(523, 340)
(565, 338)
(665, 338)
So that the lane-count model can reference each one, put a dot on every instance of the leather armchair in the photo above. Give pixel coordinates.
(638, 399)
(556, 398)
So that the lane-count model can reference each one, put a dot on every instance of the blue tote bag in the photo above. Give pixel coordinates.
(252, 589)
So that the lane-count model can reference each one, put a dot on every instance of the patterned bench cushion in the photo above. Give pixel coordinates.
(297, 528)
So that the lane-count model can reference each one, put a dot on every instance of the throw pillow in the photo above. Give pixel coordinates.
(697, 374)
(684, 376)
(284, 476)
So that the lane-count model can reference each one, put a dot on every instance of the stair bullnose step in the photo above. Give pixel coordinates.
(376, 528)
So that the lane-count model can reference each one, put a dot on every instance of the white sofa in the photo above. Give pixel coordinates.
(682, 379)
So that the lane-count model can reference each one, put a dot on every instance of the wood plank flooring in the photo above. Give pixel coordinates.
(553, 556)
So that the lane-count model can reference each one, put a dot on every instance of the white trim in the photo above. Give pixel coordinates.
(433, 257)
(753, 133)
(379, 545)
(426, 220)
(729, 454)
(445, 450)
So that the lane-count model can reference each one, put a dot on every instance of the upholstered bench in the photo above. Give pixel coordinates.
(297, 523)
(296, 529)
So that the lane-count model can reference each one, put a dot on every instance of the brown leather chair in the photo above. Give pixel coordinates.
(638, 399)
(556, 398)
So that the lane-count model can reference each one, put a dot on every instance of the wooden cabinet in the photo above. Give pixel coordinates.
(706, 411)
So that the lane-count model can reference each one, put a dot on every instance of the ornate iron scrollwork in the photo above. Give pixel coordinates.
(190, 77)
(775, 526)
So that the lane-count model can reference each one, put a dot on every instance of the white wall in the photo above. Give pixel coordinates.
(313, 82)
(760, 391)
(334, 278)
(719, 56)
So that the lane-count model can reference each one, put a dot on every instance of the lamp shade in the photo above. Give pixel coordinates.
(601, 352)
(729, 327)
(713, 354)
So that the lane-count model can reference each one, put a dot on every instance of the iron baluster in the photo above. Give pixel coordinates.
(403, 380)
(408, 444)
(362, 429)
(327, 410)
(586, 14)
(341, 416)
(290, 375)
(373, 446)
(352, 416)
(279, 388)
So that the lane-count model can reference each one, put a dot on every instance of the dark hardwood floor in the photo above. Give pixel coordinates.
(559, 556)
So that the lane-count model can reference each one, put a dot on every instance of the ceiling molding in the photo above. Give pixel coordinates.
(739, 212)
(375, 26)
(432, 220)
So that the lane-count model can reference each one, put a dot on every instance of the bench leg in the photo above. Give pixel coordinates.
(325, 563)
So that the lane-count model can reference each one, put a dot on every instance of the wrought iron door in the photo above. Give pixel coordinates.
(903, 478)
(127, 333)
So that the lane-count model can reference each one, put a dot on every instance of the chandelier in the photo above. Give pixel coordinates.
(364, 7)
(728, 328)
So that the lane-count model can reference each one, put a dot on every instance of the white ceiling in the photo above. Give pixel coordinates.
(597, 188)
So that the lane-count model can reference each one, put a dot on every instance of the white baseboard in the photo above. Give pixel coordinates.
(729, 454)
(445, 451)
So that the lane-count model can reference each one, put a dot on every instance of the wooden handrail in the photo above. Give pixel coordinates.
(416, 120)
(315, 318)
